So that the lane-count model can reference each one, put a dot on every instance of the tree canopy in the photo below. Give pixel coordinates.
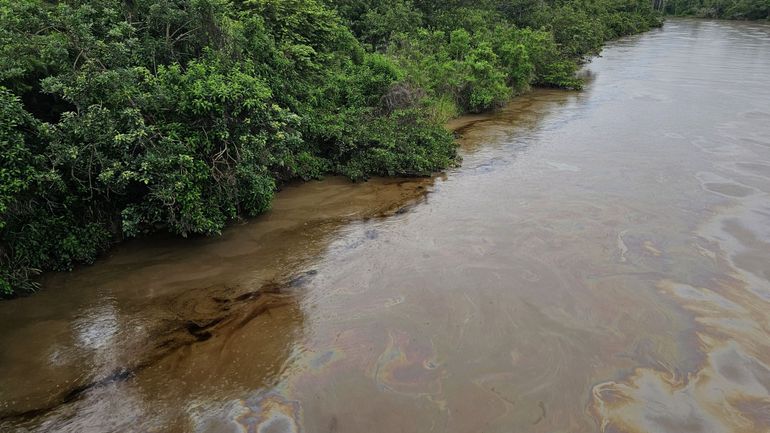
(728, 9)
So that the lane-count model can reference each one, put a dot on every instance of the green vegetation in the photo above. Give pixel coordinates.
(727, 9)
(124, 117)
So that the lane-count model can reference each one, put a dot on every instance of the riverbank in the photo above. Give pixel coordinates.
(184, 118)
(331, 201)
(151, 301)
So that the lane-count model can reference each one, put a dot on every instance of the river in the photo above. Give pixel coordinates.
(599, 262)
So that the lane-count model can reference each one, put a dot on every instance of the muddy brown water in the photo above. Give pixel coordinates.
(600, 262)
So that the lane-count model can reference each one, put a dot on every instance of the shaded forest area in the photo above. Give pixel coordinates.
(726, 9)
(120, 118)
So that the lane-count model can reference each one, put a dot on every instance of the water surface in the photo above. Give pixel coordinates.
(600, 262)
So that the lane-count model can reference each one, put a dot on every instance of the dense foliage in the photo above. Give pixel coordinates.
(728, 9)
(124, 117)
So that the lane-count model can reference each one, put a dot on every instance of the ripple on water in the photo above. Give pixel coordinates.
(728, 189)
(755, 168)
(262, 413)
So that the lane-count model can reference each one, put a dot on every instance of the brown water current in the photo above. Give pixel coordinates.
(599, 263)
